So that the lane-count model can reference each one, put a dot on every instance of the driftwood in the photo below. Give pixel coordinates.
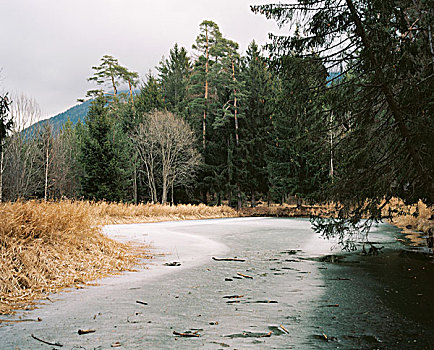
(283, 327)
(141, 302)
(267, 335)
(22, 320)
(46, 342)
(187, 335)
(233, 296)
(85, 331)
(228, 259)
(243, 275)
(174, 263)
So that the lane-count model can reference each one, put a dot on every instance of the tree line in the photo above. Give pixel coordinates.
(340, 110)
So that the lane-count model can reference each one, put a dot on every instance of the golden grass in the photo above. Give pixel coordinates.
(45, 247)
(119, 213)
(48, 246)
(405, 217)
(286, 210)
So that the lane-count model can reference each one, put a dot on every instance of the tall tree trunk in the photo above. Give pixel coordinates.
(331, 148)
(164, 195)
(239, 200)
(47, 161)
(235, 103)
(253, 201)
(206, 91)
(131, 93)
(237, 139)
(173, 201)
(135, 182)
(115, 90)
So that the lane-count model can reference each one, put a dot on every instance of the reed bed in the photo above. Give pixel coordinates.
(46, 247)
(119, 213)
(418, 217)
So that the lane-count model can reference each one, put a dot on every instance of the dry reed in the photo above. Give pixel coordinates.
(418, 217)
(117, 213)
(47, 246)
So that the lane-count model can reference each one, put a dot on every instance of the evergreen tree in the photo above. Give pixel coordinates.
(150, 97)
(174, 76)
(111, 73)
(297, 160)
(104, 156)
(380, 105)
(256, 130)
(202, 87)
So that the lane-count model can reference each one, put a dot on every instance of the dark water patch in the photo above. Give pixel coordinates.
(261, 302)
(330, 258)
(325, 338)
(367, 339)
(291, 251)
(292, 260)
(223, 345)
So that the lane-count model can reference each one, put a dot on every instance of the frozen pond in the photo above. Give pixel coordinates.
(282, 296)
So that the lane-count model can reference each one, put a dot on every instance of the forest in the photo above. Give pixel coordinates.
(340, 111)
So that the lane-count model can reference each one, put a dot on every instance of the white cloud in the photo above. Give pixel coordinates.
(49, 46)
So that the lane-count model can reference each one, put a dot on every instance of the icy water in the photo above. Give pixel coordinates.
(290, 292)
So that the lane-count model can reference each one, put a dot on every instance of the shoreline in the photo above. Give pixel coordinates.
(141, 309)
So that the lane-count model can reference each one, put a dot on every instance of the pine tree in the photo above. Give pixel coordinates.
(111, 73)
(207, 46)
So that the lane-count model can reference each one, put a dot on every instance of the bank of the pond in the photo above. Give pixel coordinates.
(302, 295)
(48, 246)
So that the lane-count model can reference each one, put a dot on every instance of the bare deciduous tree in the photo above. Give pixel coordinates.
(21, 152)
(165, 143)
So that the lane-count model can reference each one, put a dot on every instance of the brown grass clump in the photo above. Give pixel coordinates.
(117, 213)
(417, 217)
(45, 247)
(287, 210)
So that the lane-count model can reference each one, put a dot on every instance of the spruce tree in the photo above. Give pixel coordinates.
(174, 76)
(104, 156)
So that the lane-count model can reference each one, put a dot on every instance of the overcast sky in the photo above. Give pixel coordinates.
(49, 46)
